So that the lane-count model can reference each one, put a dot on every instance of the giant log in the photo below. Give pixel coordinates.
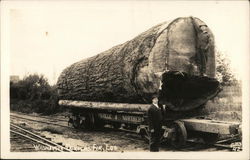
(174, 59)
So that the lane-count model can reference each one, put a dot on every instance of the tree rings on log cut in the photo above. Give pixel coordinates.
(132, 72)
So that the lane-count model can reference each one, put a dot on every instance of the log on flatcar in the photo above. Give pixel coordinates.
(174, 59)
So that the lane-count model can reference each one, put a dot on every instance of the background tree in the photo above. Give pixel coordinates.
(224, 71)
(34, 94)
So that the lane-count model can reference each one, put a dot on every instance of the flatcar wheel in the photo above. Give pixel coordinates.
(76, 122)
(89, 122)
(145, 134)
(179, 134)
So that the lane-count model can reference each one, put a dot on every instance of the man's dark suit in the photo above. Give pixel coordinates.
(155, 122)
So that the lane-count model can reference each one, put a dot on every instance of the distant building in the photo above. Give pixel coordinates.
(14, 78)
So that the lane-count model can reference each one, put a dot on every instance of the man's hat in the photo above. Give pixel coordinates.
(154, 96)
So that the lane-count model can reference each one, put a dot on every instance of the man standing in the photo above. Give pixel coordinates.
(155, 122)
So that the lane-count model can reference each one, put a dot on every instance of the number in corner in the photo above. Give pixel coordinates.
(236, 146)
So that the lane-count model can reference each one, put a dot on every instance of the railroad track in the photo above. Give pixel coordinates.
(49, 121)
(217, 146)
(40, 116)
(19, 132)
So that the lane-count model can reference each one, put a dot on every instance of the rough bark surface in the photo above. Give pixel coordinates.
(131, 72)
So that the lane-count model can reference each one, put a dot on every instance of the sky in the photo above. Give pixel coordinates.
(46, 37)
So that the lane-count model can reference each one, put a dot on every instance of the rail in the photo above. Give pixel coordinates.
(36, 138)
